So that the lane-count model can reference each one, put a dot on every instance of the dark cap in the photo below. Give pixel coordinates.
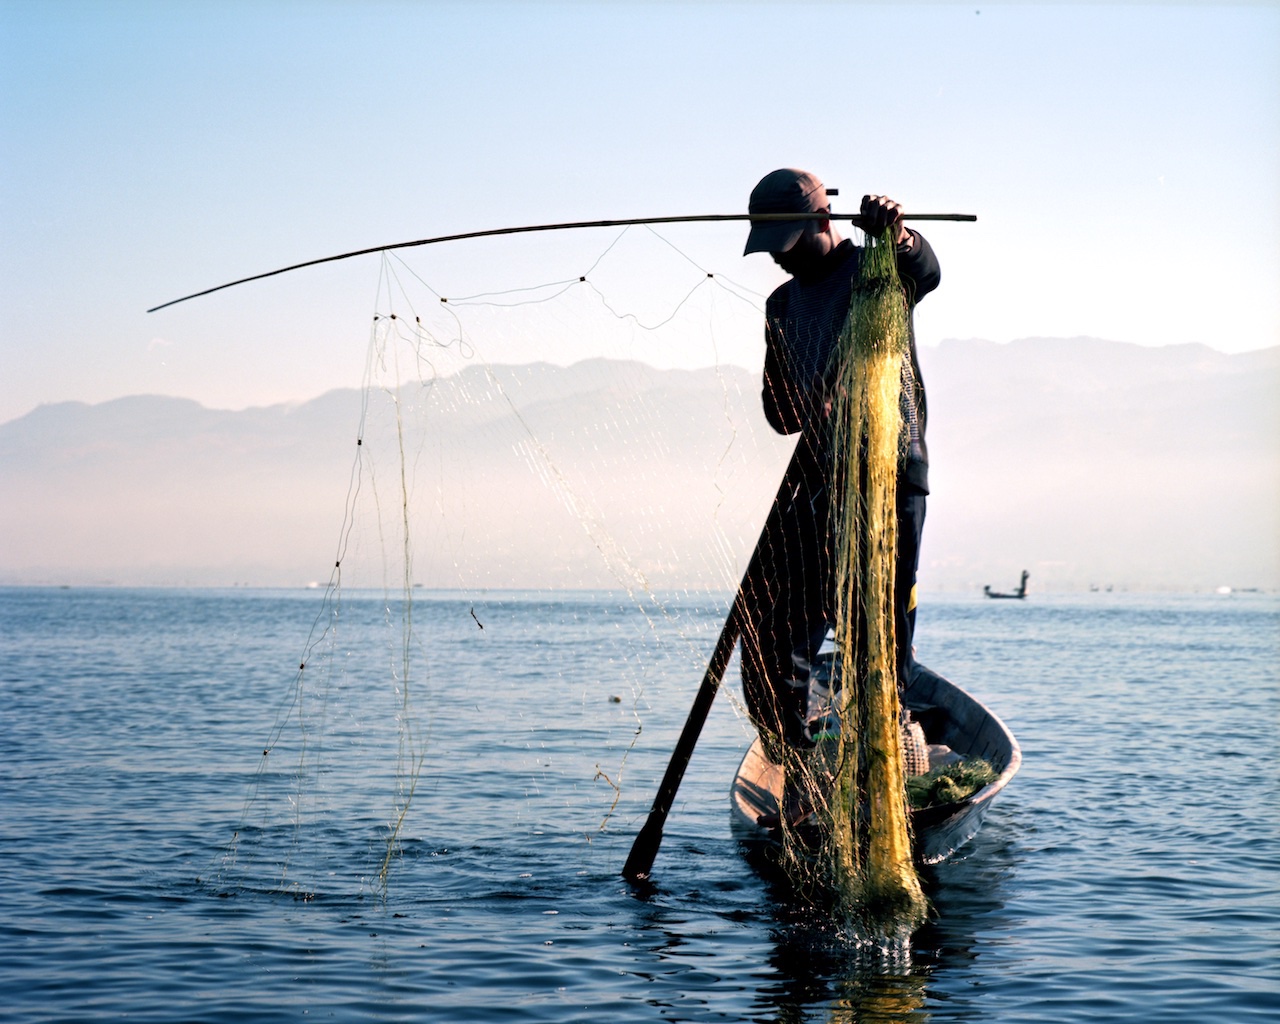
(783, 191)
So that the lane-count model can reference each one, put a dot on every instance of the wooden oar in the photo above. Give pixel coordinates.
(645, 847)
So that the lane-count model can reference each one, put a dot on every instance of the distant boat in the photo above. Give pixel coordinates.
(1018, 594)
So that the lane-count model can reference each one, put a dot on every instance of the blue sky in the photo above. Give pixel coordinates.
(1123, 161)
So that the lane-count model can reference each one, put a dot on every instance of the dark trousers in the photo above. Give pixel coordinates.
(911, 509)
(790, 605)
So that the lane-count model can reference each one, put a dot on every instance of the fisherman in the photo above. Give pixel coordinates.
(790, 599)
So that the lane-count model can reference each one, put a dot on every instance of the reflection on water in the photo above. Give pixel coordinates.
(759, 944)
(817, 967)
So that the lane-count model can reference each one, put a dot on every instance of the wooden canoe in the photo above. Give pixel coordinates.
(951, 719)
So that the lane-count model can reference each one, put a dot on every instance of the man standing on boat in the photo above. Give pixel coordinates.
(790, 599)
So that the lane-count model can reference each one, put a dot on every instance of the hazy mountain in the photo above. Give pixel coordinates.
(1092, 462)
(1084, 461)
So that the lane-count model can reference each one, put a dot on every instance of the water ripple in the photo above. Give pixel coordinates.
(152, 865)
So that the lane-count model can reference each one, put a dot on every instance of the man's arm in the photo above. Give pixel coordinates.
(784, 407)
(917, 266)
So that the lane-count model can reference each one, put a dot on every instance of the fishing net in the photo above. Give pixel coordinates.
(557, 436)
(855, 774)
(591, 425)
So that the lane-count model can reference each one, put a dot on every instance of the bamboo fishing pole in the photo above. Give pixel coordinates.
(854, 218)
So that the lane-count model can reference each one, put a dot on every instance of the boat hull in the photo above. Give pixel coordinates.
(951, 718)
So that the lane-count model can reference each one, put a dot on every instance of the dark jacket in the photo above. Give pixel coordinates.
(802, 325)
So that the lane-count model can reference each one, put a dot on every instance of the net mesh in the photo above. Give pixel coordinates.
(512, 443)
(521, 437)
(872, 850)
(858, 859)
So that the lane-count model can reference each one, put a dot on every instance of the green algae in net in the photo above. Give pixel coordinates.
(949, 784)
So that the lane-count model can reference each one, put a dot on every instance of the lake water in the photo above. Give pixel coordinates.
(158, 866)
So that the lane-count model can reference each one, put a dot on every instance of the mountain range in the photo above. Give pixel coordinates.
(1088, 463)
